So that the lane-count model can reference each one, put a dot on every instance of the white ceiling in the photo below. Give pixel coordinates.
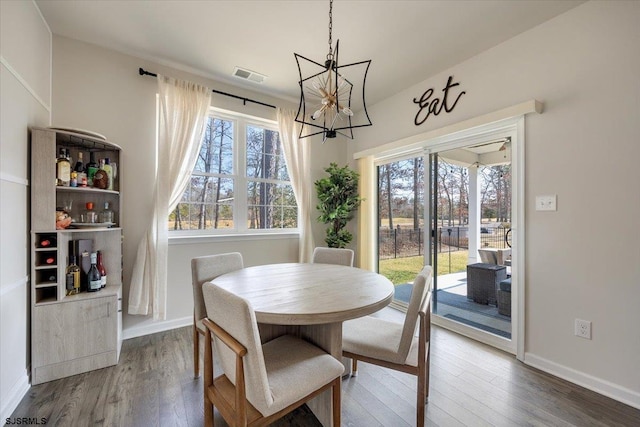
(407, 41)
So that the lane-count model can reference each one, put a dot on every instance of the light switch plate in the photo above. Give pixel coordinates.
(546, 203)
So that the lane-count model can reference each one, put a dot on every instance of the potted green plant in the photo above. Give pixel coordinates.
(338, 200)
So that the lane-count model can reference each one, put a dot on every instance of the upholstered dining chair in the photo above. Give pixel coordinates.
(204, 269)
(339, 256)
(394, 345)
(261, 382)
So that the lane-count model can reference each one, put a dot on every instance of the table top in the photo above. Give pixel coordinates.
(307, 294)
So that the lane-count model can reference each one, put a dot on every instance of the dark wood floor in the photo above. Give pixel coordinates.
(471, 385)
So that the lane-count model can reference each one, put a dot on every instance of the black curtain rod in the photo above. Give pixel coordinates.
(143, 72)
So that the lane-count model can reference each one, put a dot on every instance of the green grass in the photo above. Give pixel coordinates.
(403, 270)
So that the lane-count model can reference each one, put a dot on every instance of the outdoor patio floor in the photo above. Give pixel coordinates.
(451, 302)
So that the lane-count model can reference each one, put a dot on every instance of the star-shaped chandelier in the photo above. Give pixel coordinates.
(326, 94)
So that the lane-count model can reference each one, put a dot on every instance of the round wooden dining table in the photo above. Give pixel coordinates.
(310, 301)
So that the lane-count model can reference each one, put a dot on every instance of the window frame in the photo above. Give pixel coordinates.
(240, 182)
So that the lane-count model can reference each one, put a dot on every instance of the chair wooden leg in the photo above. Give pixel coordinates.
(426, 382)
(421, 401)
(354, 367)
(336, 393)
(208, 379)
(423, 390)
(196, 352)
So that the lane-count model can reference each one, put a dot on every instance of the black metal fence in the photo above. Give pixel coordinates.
(406, 242)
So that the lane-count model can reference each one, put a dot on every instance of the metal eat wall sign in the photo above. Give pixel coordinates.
(427, 105)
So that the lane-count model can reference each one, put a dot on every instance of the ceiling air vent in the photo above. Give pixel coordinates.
(245, 74)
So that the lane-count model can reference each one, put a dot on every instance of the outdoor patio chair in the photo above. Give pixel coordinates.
(261, 382)
(204, 269)
(494, 256)
(339, 256)
(393, 345)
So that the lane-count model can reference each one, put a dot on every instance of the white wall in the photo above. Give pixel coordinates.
(100, 90)
(582, 261)
(25, 85)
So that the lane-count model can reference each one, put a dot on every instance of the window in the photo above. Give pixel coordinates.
(240, 181)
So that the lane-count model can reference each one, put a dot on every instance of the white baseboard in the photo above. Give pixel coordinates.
(14, 396)
(155, 327)
(606, 388)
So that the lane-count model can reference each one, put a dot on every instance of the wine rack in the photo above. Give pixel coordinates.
(45, 268)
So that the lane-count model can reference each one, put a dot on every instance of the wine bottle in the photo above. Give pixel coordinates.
(102, 270)
(95, 281)
(50, 260)
(79, 167)
(92, 168)
(73, 277)
(80, 170)
(63, 169)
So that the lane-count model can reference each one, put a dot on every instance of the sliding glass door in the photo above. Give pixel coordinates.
(470, 217)
(452, 209)
(401, 234)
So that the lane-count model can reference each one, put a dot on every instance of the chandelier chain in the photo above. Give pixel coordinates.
(330, 55)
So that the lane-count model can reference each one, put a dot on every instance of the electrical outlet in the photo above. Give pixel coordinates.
(583, 329)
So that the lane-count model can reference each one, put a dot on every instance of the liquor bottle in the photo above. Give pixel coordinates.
(102, 270)
(79, 168)
(106, 216)
(47, 242)
(63, 169)
(73, 277)
(109, 170)
(92, 168)
(101, 177)
(95, 281)
(74, 179)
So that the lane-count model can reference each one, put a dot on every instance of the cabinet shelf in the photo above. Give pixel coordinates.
(47, 300)
(85, 190)
(90, 230)
(46, 285)
(75, 230)
(109, 290)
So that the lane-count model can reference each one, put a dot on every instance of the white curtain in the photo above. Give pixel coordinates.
(298, 158)
(183, 114)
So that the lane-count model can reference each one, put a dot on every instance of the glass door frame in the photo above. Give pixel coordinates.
(513, 128)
